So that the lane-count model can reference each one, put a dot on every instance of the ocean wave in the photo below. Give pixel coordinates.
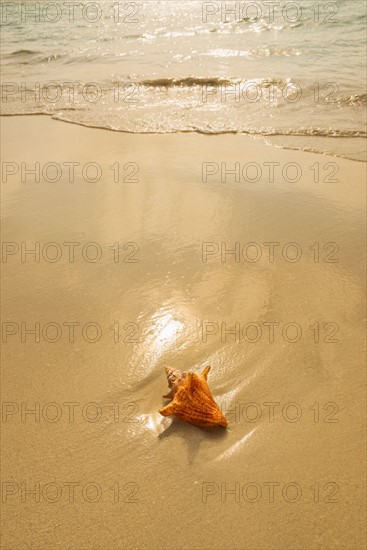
(304, 132)
(313, 139)
(31, 57)
(188, 81)
(22, 53)
(357, 100)
(253, 53)
(202, 81)
(266, 132)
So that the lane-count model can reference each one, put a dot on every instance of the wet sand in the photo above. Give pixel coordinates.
(289, 471)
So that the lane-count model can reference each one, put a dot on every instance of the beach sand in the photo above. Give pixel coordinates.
(297, 478)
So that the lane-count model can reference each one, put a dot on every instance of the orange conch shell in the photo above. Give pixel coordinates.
(192, 400)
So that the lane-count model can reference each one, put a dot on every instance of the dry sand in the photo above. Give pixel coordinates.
(298, 478)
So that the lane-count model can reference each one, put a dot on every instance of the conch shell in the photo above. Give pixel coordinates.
(191, 399)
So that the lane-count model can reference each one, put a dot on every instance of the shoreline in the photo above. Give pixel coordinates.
(255, 136)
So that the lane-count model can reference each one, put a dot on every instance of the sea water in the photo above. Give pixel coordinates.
(291, 72)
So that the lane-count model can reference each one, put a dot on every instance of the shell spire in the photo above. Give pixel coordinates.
(192, 400)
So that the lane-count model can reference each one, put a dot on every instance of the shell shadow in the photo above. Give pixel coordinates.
(193, 436)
